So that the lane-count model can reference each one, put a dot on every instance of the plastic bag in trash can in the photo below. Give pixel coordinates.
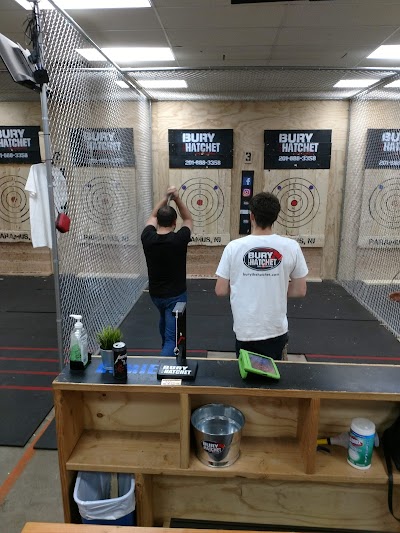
(92, 495)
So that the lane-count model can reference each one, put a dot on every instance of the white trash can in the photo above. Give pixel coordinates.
(92, 494)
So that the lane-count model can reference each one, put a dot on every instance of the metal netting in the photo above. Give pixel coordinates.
(369, 263)
(101, 142)
(260, 83)
(102, 271)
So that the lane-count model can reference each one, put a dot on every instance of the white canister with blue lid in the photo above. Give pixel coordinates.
(361, 443)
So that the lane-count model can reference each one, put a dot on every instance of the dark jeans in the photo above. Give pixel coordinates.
(270, 347)
(167, 321)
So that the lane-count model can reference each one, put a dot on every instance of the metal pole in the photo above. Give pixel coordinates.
(49, 175)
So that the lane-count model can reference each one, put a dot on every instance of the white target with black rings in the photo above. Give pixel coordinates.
(384, 203)
(204, 199)
(104, 199)
(14, 201)
(300, 202)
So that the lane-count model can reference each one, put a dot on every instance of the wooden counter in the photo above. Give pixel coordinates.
(143, 427)
(46, 527)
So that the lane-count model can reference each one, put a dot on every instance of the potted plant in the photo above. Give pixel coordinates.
(106, 338)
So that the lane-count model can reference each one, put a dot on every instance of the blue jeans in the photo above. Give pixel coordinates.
(167, 321)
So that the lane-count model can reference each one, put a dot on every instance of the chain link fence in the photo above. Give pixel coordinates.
(369, 263)
(101, 143)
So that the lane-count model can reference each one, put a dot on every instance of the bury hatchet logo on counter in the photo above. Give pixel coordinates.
(262, 259)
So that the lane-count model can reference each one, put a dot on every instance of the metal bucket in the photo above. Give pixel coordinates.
(217, 429)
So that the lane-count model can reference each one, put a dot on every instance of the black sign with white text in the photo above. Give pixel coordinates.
(285, 149)
(200, 148)
(245, 197)
(19, 145)
(102, 147)
(383, 149)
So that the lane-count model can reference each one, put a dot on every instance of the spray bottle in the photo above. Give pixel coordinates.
(78, 348)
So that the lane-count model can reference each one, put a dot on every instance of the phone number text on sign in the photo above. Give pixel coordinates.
(297, 158)
(202, 162)
(11, 155)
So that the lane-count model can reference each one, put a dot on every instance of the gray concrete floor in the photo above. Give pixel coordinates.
(35, 495)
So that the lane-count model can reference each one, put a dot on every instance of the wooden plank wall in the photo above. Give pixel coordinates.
(19, 258)
(249, 120)
(360, 262)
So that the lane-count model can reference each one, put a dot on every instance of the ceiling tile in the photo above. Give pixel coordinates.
(129, 38)
(360, 36)
(116, 19)
(250, 16)
(342, 14)
(198, 38)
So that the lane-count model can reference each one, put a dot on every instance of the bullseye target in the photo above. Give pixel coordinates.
(204, 199)
(300, 202)
(384, 203)
(14, 201)
(105, 199)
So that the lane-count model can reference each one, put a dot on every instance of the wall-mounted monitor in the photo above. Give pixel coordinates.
(16, 60)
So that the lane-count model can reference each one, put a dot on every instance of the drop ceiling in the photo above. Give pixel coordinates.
(261, 37)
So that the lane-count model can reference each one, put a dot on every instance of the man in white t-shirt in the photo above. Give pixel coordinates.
(260, 271)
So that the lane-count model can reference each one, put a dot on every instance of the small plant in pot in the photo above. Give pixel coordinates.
(106, 338)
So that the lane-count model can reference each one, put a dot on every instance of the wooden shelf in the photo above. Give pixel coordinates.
(123, 451)
(144, 429)
(269, 458)
(333, 468)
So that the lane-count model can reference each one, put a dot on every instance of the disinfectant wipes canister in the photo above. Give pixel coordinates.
(361, 443)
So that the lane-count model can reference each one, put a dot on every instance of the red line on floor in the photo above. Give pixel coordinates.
(21, 387)
(29, 372)
(374, 357)
(28, 348)
(16, 472)
(36, 359)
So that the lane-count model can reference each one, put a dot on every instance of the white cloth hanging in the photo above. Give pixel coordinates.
(39, 210)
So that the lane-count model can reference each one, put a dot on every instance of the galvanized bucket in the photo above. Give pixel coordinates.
(218, 430)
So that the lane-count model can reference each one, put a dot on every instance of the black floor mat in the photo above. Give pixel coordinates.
(27, 294)
(341, 337)
(328, 321)
(48, 441)
(328, 325)
(22, 412)
(327, 300)
(26, 394)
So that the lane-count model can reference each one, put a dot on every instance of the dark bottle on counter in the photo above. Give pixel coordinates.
(120, 369)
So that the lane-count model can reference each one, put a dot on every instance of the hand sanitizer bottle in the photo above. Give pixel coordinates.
(78, 348)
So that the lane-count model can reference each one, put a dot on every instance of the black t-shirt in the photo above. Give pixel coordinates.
(166, 260)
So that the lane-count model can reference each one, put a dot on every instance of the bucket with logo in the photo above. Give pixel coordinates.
(361, 443)
(217, 430)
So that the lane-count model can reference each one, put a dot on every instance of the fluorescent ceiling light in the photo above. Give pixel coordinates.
(163, 84)
(87, 4)
(128, 55)
(355, 83)
(386, 51)
(393, 84)
(122, 84)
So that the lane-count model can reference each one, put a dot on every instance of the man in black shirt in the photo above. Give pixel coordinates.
(165, 251)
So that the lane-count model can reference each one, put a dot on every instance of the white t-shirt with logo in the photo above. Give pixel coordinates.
(258, 268)
(39, 208)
